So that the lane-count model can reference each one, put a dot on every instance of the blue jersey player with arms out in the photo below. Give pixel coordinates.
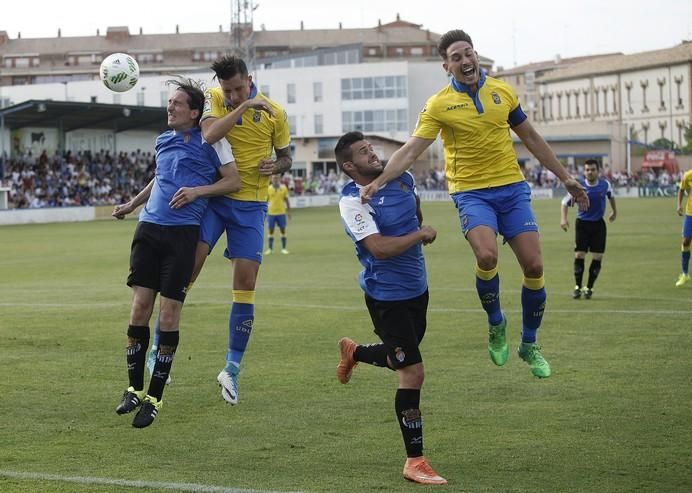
(473, 115)
(163, 248)
(388, 236)
(589, 228)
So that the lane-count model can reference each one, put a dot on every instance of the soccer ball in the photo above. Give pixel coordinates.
(119, 72)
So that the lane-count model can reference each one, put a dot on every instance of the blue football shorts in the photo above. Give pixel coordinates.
(243, 222)
(687, 227)
(506, 209)
(276, 220)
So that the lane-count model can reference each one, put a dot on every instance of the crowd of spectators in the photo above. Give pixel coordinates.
(75, 179)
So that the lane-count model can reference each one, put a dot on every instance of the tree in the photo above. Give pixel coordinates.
(688, 138)
(665, 144)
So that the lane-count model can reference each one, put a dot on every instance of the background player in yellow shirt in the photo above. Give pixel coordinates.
(278, 213)
(685, 186)
(473, 115)
(256, 128)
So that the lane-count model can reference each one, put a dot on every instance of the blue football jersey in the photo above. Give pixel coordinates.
(183, 159)
(598, 194)
(390, 212)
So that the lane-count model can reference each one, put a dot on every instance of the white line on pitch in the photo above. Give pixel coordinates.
(37, 476)
(346, 307)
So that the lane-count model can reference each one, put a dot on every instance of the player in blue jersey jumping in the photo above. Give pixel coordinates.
(163, 248)
(589, 227)
(473, 115)
(388, 235)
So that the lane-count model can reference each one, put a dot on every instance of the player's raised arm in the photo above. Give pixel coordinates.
(400, 161)
(545, 155)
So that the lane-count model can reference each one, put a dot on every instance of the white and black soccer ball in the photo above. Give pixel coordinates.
(119, 72)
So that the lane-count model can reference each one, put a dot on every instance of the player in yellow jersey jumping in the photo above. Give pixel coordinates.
(473, 115)
(685, 186)
(256, 128)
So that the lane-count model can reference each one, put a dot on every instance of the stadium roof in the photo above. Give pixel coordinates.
(69, 116)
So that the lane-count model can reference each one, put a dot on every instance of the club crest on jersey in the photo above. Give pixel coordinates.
(496, 98)
(257, 116)
(399, 354)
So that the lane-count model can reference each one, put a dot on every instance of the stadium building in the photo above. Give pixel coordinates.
(590, 107)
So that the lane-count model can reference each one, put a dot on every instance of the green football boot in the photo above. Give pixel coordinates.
(497, 342)
(531, 353)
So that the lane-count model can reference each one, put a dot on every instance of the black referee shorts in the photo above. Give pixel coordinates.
(162, 258)
(590, 236)
(401, 326)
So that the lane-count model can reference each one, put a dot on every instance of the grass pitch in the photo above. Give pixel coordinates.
(614, 417)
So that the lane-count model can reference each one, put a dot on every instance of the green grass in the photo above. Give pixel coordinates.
(614, 417)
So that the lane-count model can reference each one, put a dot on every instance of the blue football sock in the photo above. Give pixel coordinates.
(239, 328)
(489, 294)
(685, 262)
(532, 305)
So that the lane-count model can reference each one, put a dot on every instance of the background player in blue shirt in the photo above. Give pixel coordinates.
(164, 243)
(388, 236)
(589, 228)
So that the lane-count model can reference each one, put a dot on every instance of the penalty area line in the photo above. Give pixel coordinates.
(38, 476)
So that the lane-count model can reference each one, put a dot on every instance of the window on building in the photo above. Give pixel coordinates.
(644, 84)
(317, 92)
(577, 109)
(264, 89)
(678, 83)
(615, 99)
(568, 97)
(325, 148)
(391, 86)
(163, 97)
(390, 120)
(290, 93)
(21, 61)
(417, 51)
(662, 101)
(145, 58)
(319, 124)
(559, 105)
(292, 124)
(205, 56)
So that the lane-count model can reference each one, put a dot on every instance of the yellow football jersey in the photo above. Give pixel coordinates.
(686, 184)
(477, 145)
(277, 200)
(253, 138)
